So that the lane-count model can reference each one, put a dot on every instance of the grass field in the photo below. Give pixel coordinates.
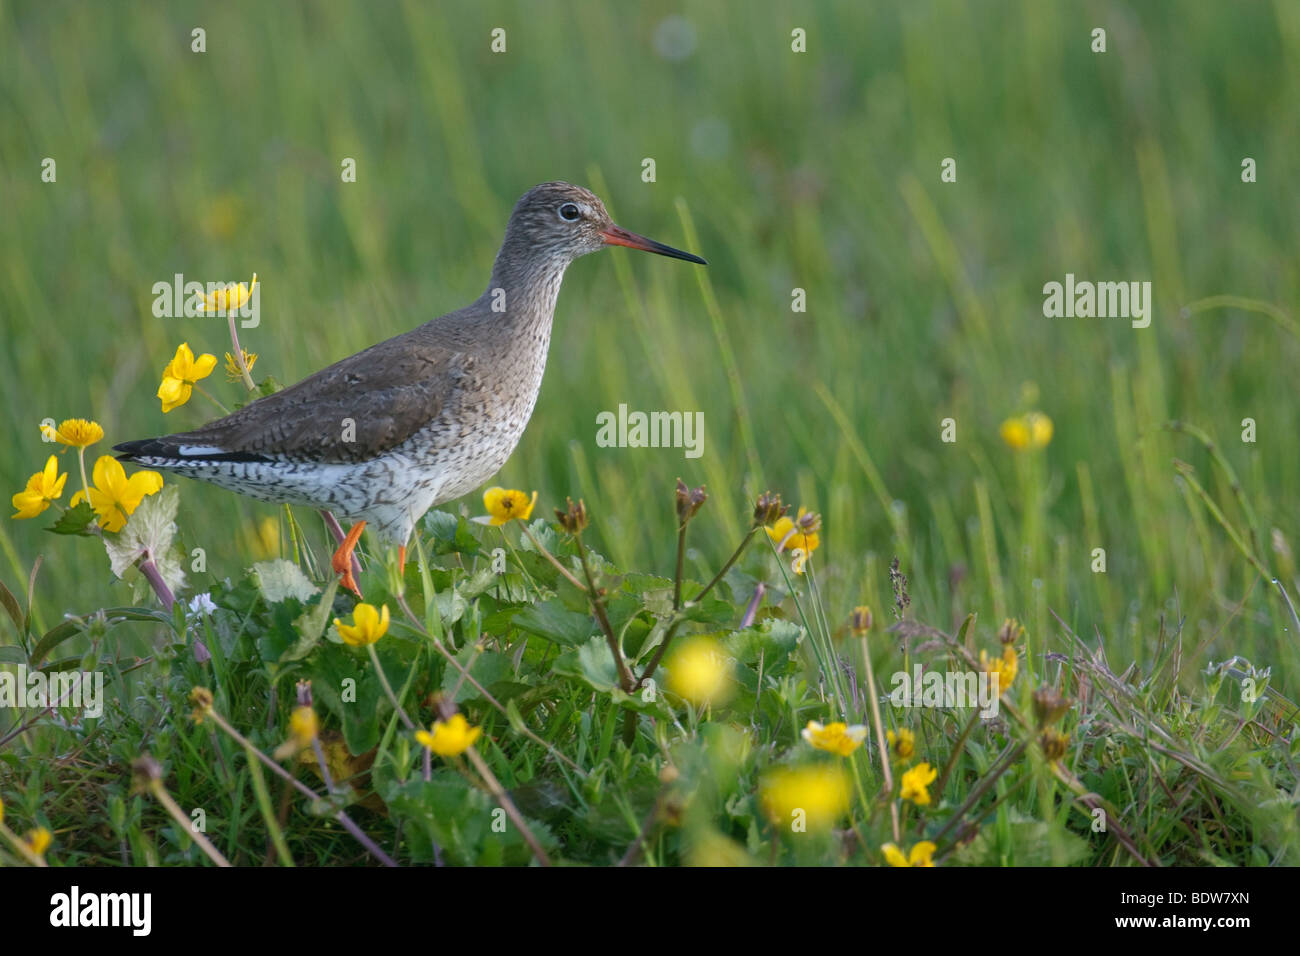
(818, 171)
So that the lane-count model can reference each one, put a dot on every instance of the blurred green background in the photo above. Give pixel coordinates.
(818, 170)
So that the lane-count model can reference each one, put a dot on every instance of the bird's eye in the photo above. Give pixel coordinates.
(569, 212)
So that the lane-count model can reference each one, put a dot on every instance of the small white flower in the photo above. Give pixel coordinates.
(202, 604)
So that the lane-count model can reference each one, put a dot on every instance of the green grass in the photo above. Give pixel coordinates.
(818, 171)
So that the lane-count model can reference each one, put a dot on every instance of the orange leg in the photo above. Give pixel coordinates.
(342, 560)
(401, 557)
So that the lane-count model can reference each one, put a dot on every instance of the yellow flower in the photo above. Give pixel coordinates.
(1004, 667)
(113, 496)
(42, 488)
(233, 374)
(39, 840)
(304, 725)
(180, 375)
(1033, 430)
(368, 625)
(788, 534)
(222, 216)
(504, 505)
(229, 299)
(698, 670)
(450, 738)
(836, 738)
(919, 855)
(903, 744)
(76, 432)
(1054, 744)
(817, 794)
(915, 784)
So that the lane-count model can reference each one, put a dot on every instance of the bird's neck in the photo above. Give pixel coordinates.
(523, 289)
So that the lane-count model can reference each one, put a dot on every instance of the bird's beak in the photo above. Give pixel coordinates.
(616, 236)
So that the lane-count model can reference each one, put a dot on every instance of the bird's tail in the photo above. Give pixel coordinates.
(176, 453)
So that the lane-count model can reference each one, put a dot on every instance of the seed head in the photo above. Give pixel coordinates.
(768, 509)
(573, 519)
(689, 501)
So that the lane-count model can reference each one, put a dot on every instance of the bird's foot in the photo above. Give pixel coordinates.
(343, 558)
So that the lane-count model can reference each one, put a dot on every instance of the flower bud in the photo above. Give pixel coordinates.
(860, 620)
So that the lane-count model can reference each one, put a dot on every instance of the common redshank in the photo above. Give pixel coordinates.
(420, 419)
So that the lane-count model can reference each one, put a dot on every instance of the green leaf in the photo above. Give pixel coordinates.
(11, 606)
(352, 693)
(12, 654)
(451, 534)
(593, 664)
(112, 615)
(279, 579)
(775, 640)
(311, 625)
(555, 622)
(1031, 843)
(710, 611)
(486, 667)
(76, 520)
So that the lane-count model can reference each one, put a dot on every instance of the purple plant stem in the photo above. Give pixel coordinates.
(751, 610)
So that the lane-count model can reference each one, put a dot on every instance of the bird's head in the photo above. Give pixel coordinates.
(566, 221)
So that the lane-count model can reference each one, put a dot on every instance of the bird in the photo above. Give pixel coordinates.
(419, 419)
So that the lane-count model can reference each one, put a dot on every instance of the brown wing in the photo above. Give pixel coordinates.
(357, 408)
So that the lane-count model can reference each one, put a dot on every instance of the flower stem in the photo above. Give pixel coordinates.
(155, 579)
(212, 398)
(302, 788)
(239, 353)
(388, 688)
(625, 679)
(498, 791)
(159, 793)
(956, 752)
(81, 459)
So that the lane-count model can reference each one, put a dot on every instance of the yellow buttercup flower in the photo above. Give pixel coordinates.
(504, 504)
(1004, 667)
(113, 496)
(450, 738)
(918, 856)
(42, 488)
(902, 744)
(39, 840)
(181, 374)
(304, 725)
(230, 298)
(816, 794)
(74, 432)
(1032, 430)
(916, 783)
(368, 625)
(788, 534)
(233, 374)
(837, 738)
(699, 671)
